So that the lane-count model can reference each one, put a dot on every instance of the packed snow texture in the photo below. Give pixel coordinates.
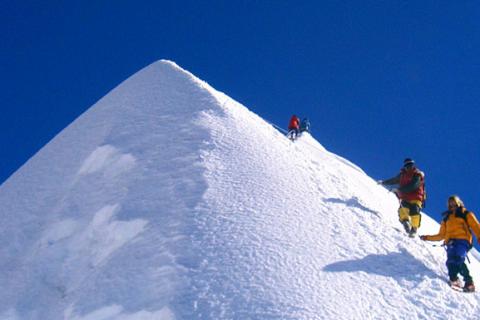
(169, 200)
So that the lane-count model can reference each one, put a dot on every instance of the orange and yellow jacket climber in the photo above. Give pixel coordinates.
(457, 224)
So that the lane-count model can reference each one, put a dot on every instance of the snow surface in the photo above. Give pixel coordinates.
(169, 200)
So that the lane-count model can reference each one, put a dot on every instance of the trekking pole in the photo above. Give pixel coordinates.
(443, 245)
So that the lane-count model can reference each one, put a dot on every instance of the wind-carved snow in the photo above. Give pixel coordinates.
(103, 236)
(58, 231)
(103, 215)
(169, 200)
(117, 312)
(107, 158)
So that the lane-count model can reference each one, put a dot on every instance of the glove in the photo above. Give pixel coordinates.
(423, 238)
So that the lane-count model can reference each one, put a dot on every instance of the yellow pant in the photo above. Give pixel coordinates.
(410, 211)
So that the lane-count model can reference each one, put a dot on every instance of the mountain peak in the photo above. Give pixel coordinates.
(169, 200)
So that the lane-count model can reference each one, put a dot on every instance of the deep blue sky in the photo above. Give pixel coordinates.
(380, 80)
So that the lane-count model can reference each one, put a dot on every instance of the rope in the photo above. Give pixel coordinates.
(341, 159)
(277, 127)
(286, 133)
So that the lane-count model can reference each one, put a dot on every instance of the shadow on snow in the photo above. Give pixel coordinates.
(397, 265)
(352, 202)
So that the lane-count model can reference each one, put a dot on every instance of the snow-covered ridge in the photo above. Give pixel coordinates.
(169, 200)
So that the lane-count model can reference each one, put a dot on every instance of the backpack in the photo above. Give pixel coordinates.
(424, 201)
(459, 214)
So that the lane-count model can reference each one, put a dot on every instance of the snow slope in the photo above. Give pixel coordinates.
(169, 200)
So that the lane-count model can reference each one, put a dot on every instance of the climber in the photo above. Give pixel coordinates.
(456, 232)
(305, 125)
(411, 193)
(293, 127)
